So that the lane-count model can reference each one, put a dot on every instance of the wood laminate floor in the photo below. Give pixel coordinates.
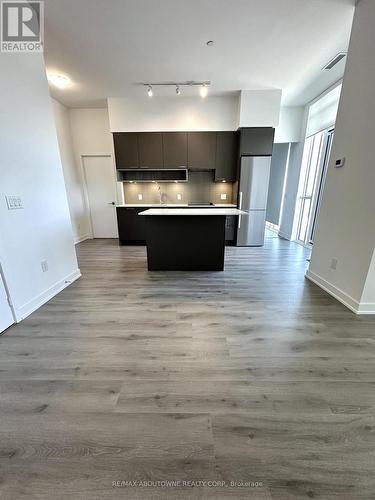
(253, 375)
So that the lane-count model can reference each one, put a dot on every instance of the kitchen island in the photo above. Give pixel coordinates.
(186, 239)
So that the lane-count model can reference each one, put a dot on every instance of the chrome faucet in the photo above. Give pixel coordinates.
(161, 195)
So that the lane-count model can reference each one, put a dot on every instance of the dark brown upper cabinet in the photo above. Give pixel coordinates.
(226, 156)
(201, 150)
(150, 149)
(175, 149)
(126, 149)
(257, 141)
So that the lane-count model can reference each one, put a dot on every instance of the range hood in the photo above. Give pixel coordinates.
(149, 175)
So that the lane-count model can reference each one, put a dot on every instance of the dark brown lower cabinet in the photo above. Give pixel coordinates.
(131, 227)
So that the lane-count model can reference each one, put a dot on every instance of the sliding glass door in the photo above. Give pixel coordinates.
(320, 186)
(313, 172)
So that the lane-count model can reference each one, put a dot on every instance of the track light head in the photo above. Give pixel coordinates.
(149, 91)
(203, 90)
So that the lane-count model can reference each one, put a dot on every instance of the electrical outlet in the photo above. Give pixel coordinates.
(340, 162)
(334, 263)
(14, 202)
(179, 196)
(44, 266)
(140, 197)
(223, 196)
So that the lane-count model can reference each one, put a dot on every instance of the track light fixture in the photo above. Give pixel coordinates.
(203, 86)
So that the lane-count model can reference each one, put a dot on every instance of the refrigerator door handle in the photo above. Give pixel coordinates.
(240, 207)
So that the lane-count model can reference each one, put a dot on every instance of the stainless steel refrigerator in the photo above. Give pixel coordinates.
(253, 192)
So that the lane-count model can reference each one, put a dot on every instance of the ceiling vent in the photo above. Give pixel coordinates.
(335, 60)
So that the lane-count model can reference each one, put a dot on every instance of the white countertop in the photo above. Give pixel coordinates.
(177, 205)
(192, 211)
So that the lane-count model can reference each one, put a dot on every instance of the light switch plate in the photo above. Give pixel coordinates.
(179, 196)
(140, 197)
(223, 196)
(14, 202)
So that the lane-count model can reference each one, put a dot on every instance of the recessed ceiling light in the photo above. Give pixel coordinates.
(210, 43)
(59, 81)
(203, 91)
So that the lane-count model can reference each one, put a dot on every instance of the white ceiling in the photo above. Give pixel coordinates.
(108, 46)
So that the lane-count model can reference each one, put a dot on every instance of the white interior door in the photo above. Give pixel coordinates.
(101, 193)
(6, 316)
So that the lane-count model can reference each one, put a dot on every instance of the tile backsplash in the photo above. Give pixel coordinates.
(200, 188)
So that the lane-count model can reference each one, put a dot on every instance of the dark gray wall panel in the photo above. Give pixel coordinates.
(275, 191)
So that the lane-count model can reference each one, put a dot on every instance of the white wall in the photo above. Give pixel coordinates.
(259, 108)
(31, 168)
(175, 113)
(275, 189)
(72, 175)
(252, 108)
(367, 299)
(90, 131)
(91, 136)
(290, 125)
(346, 227)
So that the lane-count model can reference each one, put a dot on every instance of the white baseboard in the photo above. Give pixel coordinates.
(366, 308)
(283, 236)
(45, 296)
(82, 238)
(340, 295)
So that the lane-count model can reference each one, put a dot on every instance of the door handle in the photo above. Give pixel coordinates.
(240, 207)
(240, 202)
(111, 203)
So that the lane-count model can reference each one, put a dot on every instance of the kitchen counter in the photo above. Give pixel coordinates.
(185, 212)
(132, 229)
(177, 205)
(186, 239)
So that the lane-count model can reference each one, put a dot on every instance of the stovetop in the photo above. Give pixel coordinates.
(210, 204)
